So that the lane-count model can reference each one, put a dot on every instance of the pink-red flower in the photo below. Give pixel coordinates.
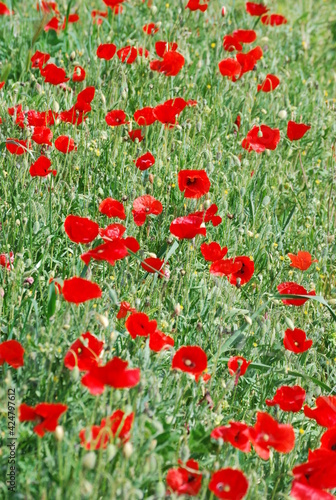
(106, 51)
(11, 352)
(295, 131)
(256, 9)
(118, 425)
(144, 206)
(112, 208)
(84, 353)
(145, 161)
(213, 251)
(78, 290)
(114, 374)
(80, 229)
(65, 144)
(116, 118)
(260, 138)
(45, 414)
(236, 433)
(190, 359)
(229, 484)
(194, 183)
(185, 480)
(187, 227)
(41, 167)
(270, 83)
(292, 288)
(302, 261)
(139, 324)
(288, 398)
(268, 433)
(296, 341)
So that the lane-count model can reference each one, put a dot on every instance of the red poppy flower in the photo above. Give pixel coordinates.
(268, 433)
(256, 9)
(273, 20)
(213, 251)
(136, 135)
(53, 24)
(110, 251)
(248, 61)
(210, 215)
(245, 36)
(319, 472)
(328, 439)
(116, 118)
(46, 414)
(194, 183)
(230, 68)
(117, 425)
(153, 265)
(112, 208)
(80, 229)
(42, 135)
(158, 341)
(144, 206)
(288, 398)
(231, 43)
(65, 144)
(54, 75)
(78, 290)
(143, 52)
(127, 54)
(72, 18)
(295, 131)
(239, 270)
(17, 146)
(236, 433)
(106, 51)
(296, 341)
(98, 16)
(183, 481)
(6, 260)
(84, 353)
(325, 412)
(4, 10)
(124, 309)
(112, 232)
(39, 59)
(84, 98)
(41, 118)
(167, 113)
(145, 116)
(162, 47)
(145, 161)
(194, 5)
(302, 261)
(114, 374)
(150, 29)
(41, 167)
(190, 359)
(11, 352)
(260, 138)
(229, 484)
(113, 3)
(302, 491)
(238, 365)
(292, 288)
(138, 324)
(171, 64)
(270, 83)
(78, 74)
(187, 227)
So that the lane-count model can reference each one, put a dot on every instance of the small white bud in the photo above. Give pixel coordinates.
(128, 450)
(89, 460)
(282, 114)
(103, 320)
(59, 433)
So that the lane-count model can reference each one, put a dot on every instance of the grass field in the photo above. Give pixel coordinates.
(272, 203)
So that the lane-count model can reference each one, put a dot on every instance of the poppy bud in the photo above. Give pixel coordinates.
(59, 433)
(55, 107)
(282, 114)
(248, 320)
(124, 94)
(128, 449)
(332, 301)
(111, 451)
(73, 55)
(86, 488)
(177, 309)
(199, 326)
(223, 11)
(160, 489)
(103, 320)
(89, 460)
(289, 323)
(75, 373)
(151, 178)
(154, 9)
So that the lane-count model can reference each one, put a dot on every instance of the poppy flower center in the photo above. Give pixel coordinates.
(189, 363)
(333, 447)
(223, 487)
(296, 344)
(191, 180)
(79, 350)
(266, 437)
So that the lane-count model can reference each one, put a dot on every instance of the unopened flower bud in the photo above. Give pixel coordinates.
(282, 114)
(223, 11)
(128, 450)
(59, 433)
(103, 320)
(89, 460)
